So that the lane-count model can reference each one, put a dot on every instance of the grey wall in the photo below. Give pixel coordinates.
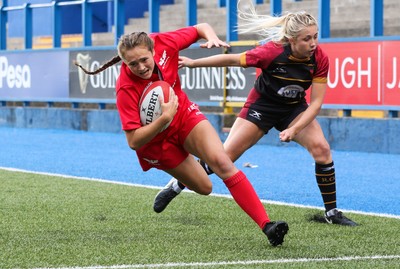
(352, 134)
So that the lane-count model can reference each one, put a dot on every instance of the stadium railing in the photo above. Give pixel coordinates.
(376, 20)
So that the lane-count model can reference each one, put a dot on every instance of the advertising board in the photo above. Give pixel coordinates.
(207, 84)
(361, 73)
(101, 85)
(34, 75)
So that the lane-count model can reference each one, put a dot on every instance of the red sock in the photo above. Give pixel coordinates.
(247, 198)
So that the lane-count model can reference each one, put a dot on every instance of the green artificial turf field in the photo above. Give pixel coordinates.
(55, 222)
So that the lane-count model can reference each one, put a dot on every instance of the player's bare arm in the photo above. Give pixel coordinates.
(206, 32)
(219, 60)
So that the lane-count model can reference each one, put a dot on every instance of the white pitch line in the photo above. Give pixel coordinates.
(391, 216)
(211, 264)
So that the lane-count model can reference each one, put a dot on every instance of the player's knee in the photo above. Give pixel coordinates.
(205, 189)
(221, 164)
(321, 152)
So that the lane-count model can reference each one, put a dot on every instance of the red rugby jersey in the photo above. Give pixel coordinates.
(129, 87)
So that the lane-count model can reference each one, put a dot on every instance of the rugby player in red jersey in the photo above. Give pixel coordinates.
(151, 57)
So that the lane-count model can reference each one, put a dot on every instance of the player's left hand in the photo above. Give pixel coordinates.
(286, 135)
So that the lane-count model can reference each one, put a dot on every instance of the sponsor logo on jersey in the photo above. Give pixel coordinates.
(279, 70)
(255, 114)
(163, 60)
(290, 91)
(152, 162)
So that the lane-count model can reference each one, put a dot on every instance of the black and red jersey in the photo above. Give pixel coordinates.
(284, 78)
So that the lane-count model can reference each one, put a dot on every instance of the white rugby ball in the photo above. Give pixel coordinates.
(150, 106)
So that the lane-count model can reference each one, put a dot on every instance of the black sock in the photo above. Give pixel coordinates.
(206, 168)
(325, 175)
(181, 185)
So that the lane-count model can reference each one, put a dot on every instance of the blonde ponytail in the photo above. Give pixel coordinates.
(275, 28)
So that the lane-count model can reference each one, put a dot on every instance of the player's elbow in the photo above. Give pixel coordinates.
(134, 145)
(316, 107)
(132, 140)
(317, 110)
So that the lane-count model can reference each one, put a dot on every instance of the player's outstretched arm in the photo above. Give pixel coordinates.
(219, 60)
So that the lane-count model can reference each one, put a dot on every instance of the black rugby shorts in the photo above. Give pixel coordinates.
(266, 114)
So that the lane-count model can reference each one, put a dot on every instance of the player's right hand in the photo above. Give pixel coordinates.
(185, 62)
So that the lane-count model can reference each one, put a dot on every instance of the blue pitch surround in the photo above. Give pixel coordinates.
(368, 182)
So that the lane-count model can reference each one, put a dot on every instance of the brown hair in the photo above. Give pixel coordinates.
(125, 43)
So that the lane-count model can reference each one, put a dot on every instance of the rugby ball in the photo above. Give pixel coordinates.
(150, 106)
